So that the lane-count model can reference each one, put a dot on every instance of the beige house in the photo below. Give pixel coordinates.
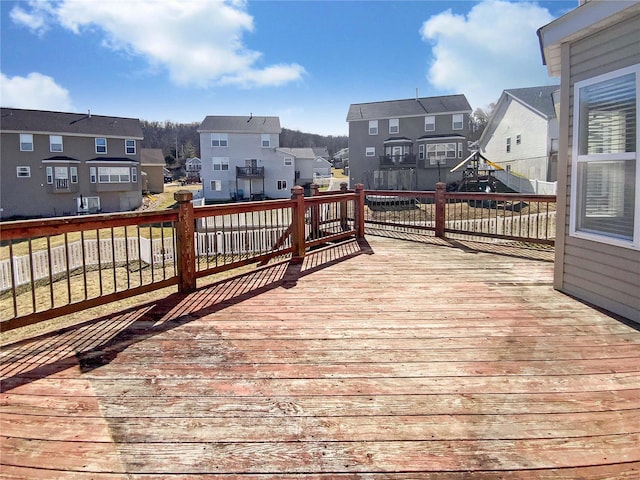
(152, 166)
(57, 163)
(595, 50)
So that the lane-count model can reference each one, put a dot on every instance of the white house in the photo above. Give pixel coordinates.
(240, 161)
(522, 133)
(193, 166)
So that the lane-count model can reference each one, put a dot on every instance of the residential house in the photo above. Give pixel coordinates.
(193, 166)
(306, 164)
(521, 135)
(341, 158)
(57, 163)
(240, 159)
(407, 144)
(153, 166)
(595, 50)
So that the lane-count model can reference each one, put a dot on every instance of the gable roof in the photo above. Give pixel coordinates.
(538, 99)
(298, 152)
(151, 156)
(240, 124)
(410, 107)
(41, 121)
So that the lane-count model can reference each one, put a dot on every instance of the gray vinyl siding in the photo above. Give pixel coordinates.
(604, 275)
(361, 167)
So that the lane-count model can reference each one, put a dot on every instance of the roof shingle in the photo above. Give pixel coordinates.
(408, 107)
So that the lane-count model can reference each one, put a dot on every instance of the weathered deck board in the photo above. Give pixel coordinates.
(407, 361)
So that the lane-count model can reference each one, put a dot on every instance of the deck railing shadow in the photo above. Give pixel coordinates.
(97, 342)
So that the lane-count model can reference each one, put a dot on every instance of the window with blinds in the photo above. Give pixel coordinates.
(605, 158)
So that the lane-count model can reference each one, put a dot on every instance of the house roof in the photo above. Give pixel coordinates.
(578, 23)
(321, 152)
(151, 156)
(41, 121)
(537, 98)
(298, 152)
(408, 107)
(240, 124)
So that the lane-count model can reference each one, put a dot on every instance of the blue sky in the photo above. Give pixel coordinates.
(304, 61)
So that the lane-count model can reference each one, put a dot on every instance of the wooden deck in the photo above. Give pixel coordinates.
(391, 360)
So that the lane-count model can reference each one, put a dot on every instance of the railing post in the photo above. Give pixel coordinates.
(185, 242)
(441, 189)
(344, 222)
(298, 224)
(315, 213)
(359, 213)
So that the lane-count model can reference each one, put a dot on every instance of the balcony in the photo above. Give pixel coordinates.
(250, 172)
(407, 160)
(402, 355)
(62, 184)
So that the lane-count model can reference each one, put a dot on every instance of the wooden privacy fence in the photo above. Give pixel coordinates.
(57, 266)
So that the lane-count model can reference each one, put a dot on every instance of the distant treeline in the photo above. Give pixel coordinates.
(169, 135)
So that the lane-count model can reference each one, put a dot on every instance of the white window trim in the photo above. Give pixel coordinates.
(373, 127)
(430, 123)
(26, 135)
(453, 121)
(288, 161)
(49, 175)
(126, 147)
(93, 175)
(134, 175)
(281, 184)
(577, 159)
(105, 146)
(394, 122)
(73, 174)
(216, 185)
(221, 162)
(25, 169)
(370, 151)
(220, 138)
(265, 140)
(52, 143)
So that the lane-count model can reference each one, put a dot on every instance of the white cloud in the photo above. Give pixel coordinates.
(35, 91)
(492, 48)
(36, 19)
(198, 42)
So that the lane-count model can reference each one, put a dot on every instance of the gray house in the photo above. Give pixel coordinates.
(522, 133)
(239, 159)
(56, 163)
(307, 164)
(595, 50)
(407, 144)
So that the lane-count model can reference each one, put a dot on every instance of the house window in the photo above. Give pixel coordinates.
(439, 152)
(606, 206)
(216, 185)
(134, 175)
(130, 147)
(281, 185)
(49, 175)
(518, 139)
(458, 119)
(219, 140)
(508, 148)
(459, 150)
(74, 174)
(92, 174)
(23, 172)
(288, 161)
(114, 175)
(430, 123)
(370, 151)
(266, 140)
(421, 151)
(26, 142)
(220, 163)
(88, 204)
(373, 127)
(394, 125)
(101, 145)
(55, 143)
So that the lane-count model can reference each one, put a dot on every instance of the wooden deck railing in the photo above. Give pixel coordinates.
(53, 267)
(58, 266)
(509, 216)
